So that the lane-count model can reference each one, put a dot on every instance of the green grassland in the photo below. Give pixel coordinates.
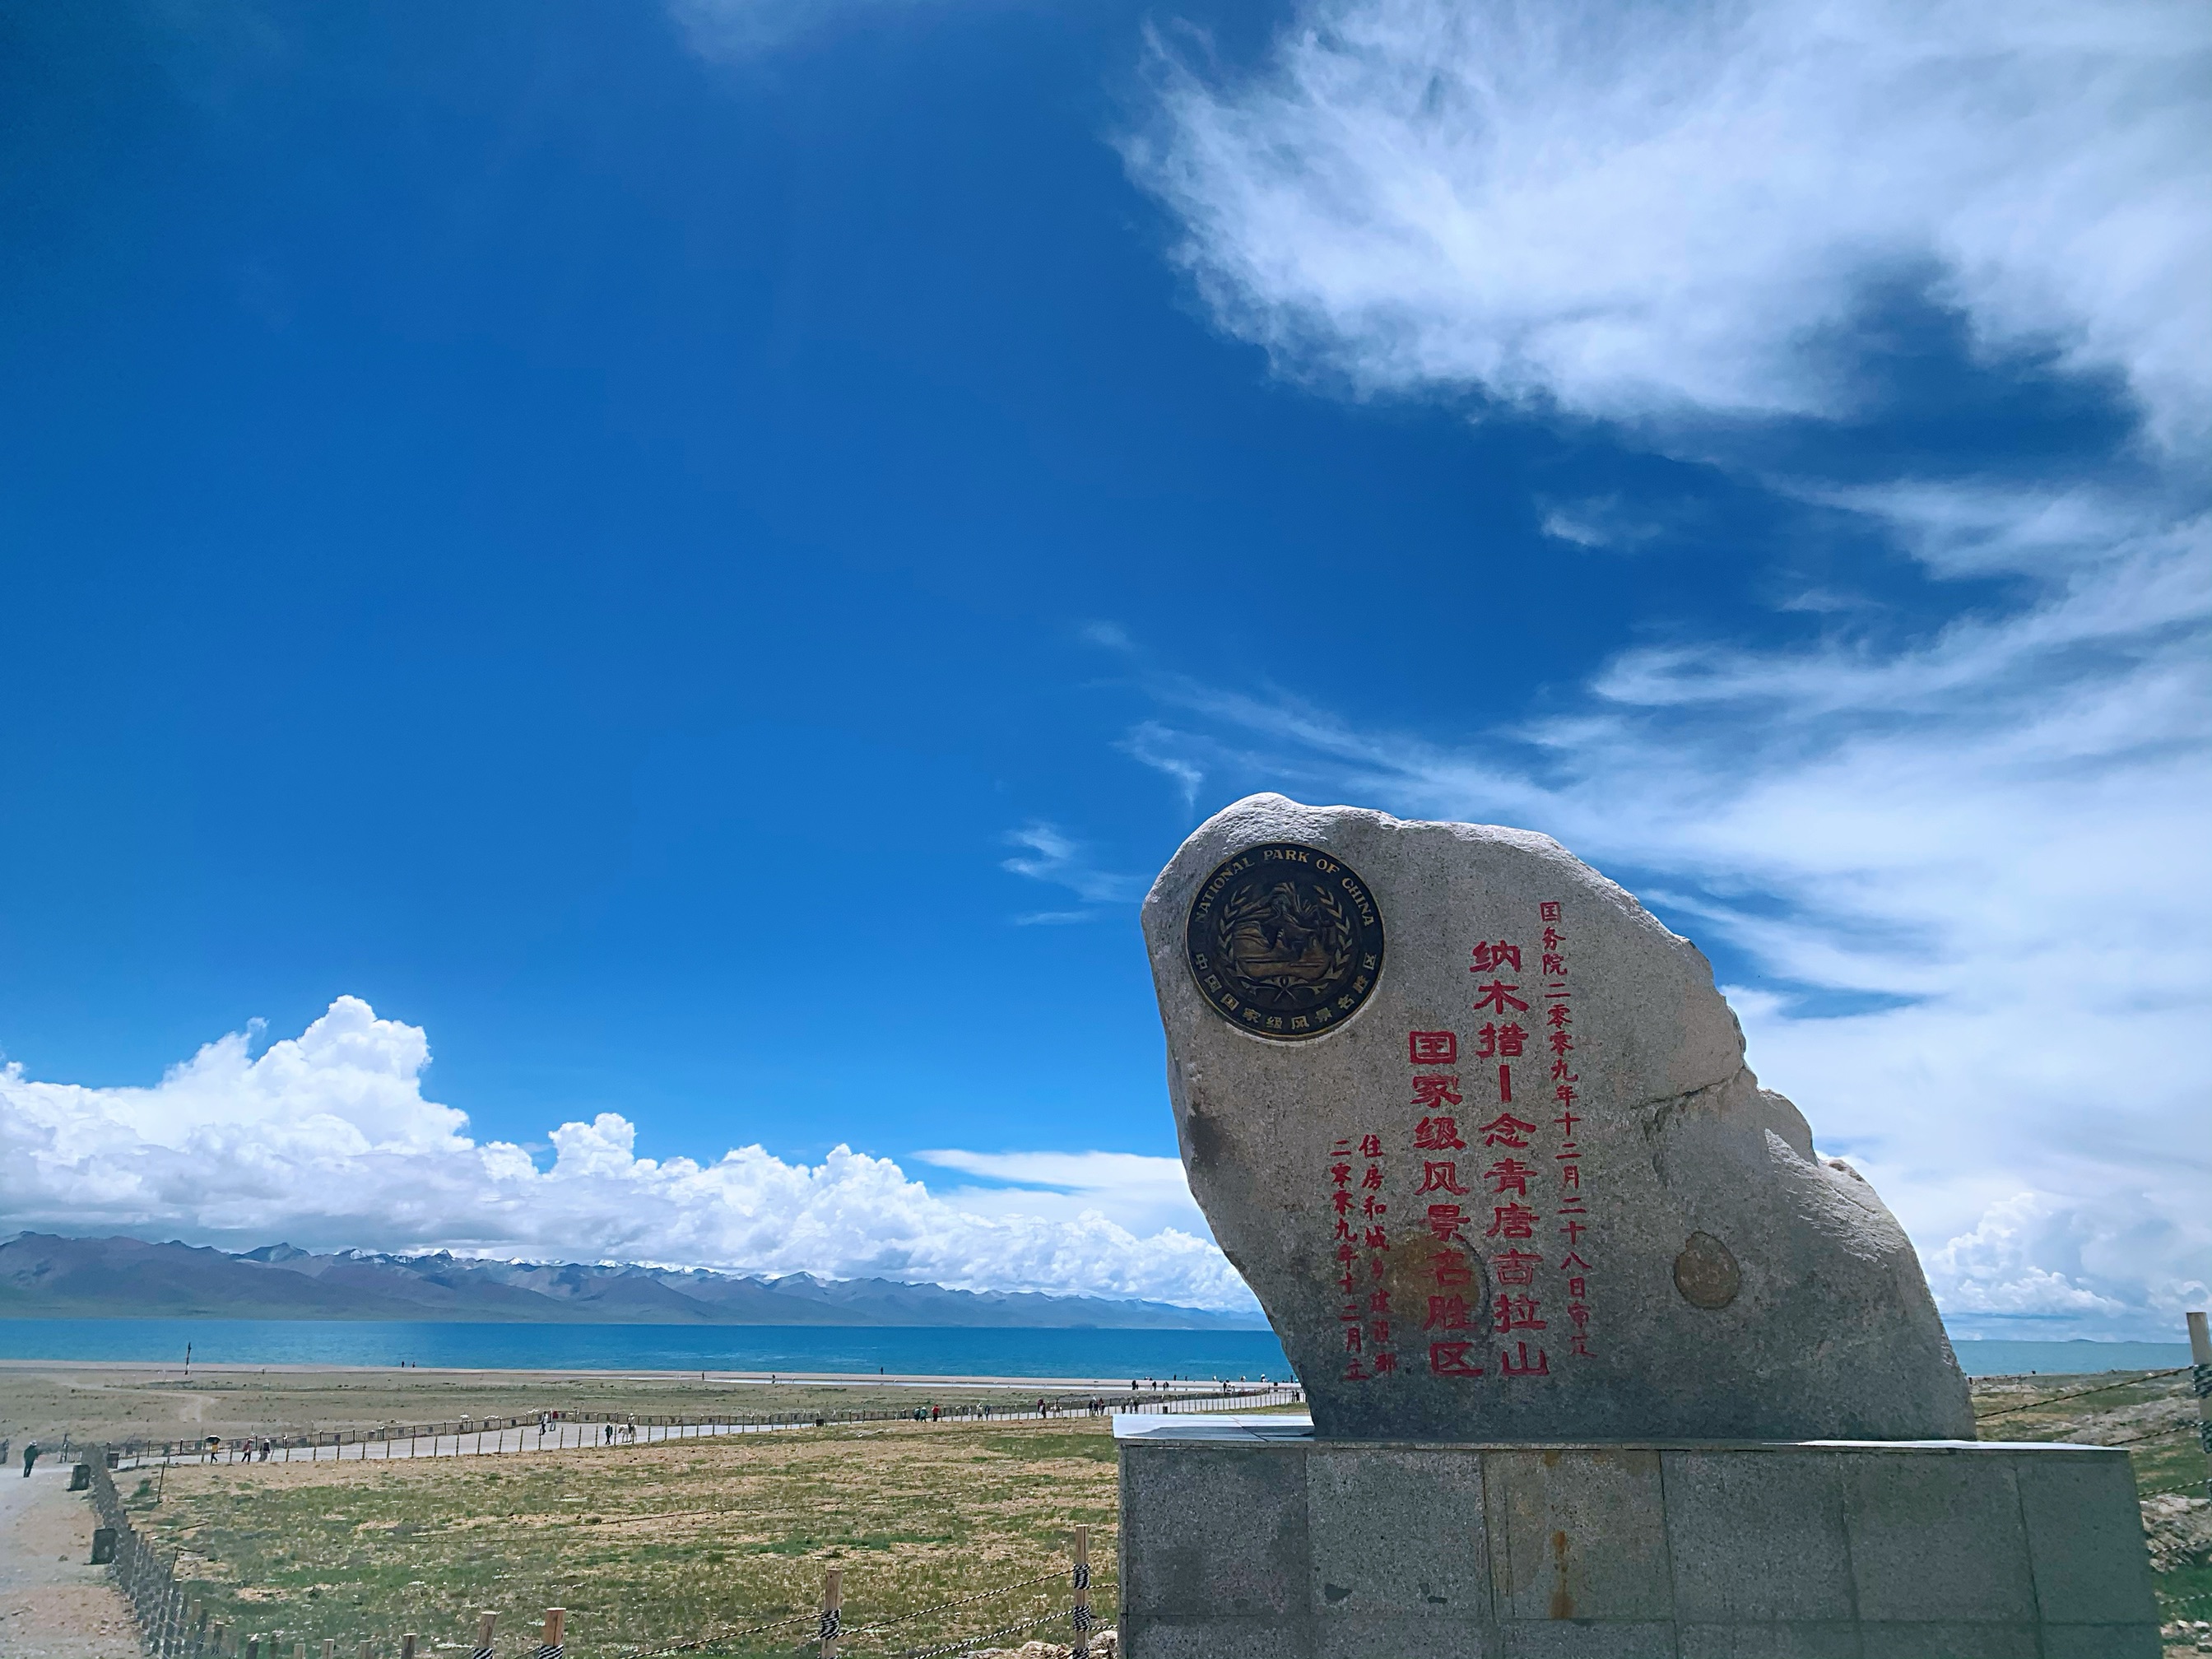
(652, 1545)
(648, 1545)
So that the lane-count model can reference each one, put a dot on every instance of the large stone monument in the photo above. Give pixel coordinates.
(1603, 1357)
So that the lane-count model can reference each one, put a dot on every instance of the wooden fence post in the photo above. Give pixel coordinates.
(486, 1623)
(407, 1646)
(832, 1600)
(1079, 1615)
(557, 1622)
(2200, 1352)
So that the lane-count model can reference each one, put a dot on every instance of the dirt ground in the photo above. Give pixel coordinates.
(52, 1604)
(45, 1400)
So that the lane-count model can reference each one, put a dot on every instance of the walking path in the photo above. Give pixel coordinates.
(372, 1445)
(52, 1605)
(563, 1436)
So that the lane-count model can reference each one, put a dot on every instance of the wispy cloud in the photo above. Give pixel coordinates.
(1143, 1194)
(2011, 895)
(1109, 636)
(1632, 212)
(1153, 745)
(1596, 521)
(1048, 854)
(1972, 862)
(327, 1140)
(733, 31)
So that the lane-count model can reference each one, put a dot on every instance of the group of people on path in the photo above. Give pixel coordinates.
(242, 1451)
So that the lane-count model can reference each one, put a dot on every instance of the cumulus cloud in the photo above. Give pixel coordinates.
(1629, 212)
(2033, 1261)
(1970, 863)
(327, 1140)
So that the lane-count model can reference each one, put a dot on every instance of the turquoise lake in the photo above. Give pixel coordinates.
(914, 1351)
(933, 1351)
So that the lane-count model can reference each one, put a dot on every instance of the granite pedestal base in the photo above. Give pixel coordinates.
(1256, 1541)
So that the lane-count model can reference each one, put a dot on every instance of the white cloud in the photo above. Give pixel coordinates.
(1994, 1279)
(1048, 854)
(734, 30)
(1636, 211)
(327, 1140)
(1154, 746)
(1108, 636)
(1142, 1194)
(1598, 521)
(1992, 852)
(1975, 861)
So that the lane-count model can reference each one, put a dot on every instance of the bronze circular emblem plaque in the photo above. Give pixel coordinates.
(1285, 941)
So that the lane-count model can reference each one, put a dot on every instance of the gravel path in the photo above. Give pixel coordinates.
(52, 1605)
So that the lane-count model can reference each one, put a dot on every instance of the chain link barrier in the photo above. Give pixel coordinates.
(1022, 1629)
(2203, 1383)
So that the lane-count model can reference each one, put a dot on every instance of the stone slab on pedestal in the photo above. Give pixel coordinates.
(1259, 1540)
(1479, 1133)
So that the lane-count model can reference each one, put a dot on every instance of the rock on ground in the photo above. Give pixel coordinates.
(1590, 1221)
(1104, 1645)
(2179, 1529)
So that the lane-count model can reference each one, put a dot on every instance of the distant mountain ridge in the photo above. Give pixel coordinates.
(45, 1276)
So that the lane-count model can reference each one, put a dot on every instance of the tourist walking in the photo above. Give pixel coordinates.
(30, 1456)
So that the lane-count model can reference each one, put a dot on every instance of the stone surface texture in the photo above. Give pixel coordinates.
(1683, 1551)
(1737, 1285)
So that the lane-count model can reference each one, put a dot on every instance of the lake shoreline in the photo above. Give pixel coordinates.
(922, 1356)
(552, 1377)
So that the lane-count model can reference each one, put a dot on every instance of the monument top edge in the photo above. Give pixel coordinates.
(1269, 815)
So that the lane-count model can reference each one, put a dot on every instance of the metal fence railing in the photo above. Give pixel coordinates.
(567, 1429)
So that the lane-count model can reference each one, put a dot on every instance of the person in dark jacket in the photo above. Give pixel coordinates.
(30, 1456)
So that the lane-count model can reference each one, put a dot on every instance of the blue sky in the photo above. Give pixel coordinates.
(696, 559)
